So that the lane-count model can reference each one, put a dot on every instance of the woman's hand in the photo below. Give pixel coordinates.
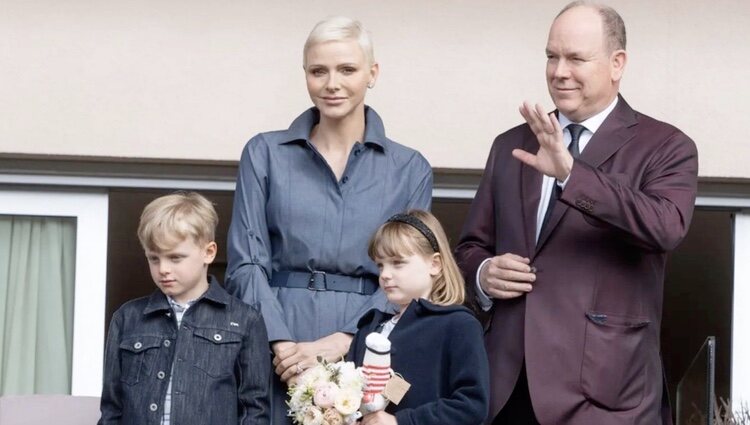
(291, 361)
(379, 418)
(282, 349)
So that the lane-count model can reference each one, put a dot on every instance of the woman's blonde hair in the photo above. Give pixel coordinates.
(168, 220)
(340, 28)
(399, 239)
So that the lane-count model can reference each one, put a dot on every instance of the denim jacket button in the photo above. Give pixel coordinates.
(167, 342)
(153, 407)
(217, 337)
(160, 374)
(137, 345)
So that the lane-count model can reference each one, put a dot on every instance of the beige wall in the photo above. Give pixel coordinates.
(196, 79)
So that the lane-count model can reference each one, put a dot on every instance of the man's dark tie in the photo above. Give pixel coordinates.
(575, 134)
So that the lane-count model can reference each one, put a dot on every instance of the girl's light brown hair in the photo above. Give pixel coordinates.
(398, 239)
(168, 220)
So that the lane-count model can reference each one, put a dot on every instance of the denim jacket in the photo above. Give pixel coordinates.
(219, 357)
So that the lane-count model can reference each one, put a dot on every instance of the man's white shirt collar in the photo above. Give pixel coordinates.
(592, 124)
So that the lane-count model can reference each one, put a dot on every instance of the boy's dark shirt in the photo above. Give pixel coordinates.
(219, 357)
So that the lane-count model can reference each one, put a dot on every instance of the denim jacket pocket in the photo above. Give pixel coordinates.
(216, 350)
(614, 362)
(138, 354)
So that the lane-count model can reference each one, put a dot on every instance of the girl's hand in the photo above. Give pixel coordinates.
(303, 355)
(379, 418)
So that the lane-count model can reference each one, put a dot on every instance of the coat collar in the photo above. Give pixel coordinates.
(157, 301)
(301, 127)
(417, 308)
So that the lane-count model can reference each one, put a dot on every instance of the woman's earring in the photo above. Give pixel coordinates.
(370, 85)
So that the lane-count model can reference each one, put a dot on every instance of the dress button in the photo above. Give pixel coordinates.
(167, 343)
(217, 337)
(153, 407)
(160, 374)
(137, 345)
(345, 179)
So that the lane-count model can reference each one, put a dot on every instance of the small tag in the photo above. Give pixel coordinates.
(395, 389)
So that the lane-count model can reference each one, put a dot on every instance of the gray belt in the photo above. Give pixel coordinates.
(322, 281)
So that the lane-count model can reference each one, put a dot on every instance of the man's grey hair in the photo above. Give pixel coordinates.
(614, 26)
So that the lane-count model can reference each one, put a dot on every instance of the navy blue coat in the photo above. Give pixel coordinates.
(439, 350)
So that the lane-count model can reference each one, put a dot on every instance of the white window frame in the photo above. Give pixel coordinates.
(740, 380)
(90, 209)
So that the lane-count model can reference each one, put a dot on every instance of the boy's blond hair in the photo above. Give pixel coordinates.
(399, 239)
(168, 220)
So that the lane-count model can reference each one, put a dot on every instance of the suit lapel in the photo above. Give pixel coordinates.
(616, 130)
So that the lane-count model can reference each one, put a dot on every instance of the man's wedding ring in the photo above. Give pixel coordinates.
(299, 369)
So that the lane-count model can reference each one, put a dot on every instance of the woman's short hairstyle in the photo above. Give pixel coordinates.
(168, 220)
(340, 28)
(399, 239)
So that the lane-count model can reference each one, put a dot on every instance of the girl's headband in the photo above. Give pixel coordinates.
(419, 225)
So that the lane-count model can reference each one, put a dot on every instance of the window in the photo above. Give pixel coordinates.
(77, 221)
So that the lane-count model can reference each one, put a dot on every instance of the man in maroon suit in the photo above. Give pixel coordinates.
(567, 238)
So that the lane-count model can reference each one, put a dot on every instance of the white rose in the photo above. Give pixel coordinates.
(349, 377)
(315, 375)
(347, 401)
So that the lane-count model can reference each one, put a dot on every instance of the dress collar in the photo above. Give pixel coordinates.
(301, 127)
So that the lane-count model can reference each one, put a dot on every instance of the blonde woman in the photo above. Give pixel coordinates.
(307, 200)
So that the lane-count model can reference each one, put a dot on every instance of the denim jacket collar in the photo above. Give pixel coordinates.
(157, 301)
(303, 124)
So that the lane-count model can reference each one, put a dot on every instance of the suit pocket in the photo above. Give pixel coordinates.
(216, 351)
(614, 361)
(137, 357)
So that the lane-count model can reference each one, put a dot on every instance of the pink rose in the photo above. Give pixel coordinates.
(325, 394)
(332, 417)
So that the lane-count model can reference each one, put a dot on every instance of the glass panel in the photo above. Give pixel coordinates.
(37, 271)
(695, 392)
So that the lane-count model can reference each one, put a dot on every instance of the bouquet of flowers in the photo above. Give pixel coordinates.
(327, 394)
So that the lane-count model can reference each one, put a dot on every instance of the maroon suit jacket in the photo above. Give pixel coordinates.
(589, 330)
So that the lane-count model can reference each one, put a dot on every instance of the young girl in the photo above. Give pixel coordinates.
(436, 344)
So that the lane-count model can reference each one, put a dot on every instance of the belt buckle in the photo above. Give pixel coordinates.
(317, 277)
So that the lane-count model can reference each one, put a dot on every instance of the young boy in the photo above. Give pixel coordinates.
(189, 353)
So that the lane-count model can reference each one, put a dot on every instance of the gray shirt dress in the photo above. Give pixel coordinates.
(290, 214)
